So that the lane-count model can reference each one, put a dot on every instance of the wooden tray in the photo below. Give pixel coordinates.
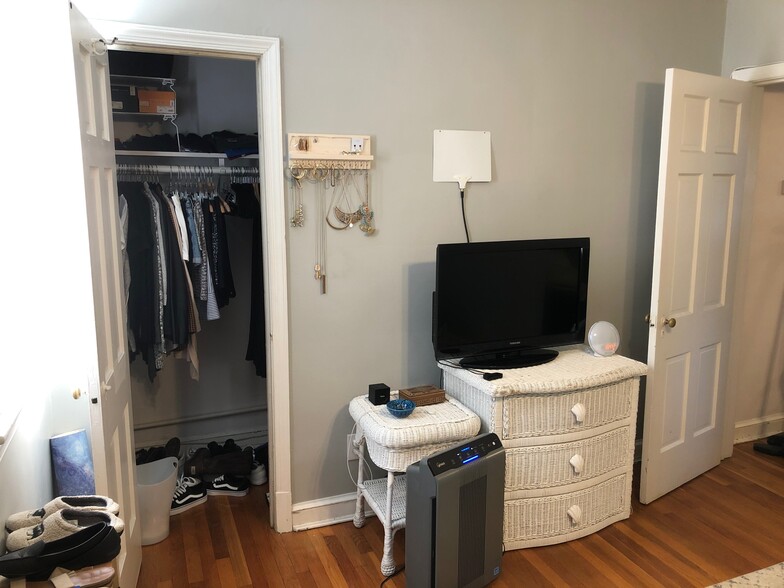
(423, 395)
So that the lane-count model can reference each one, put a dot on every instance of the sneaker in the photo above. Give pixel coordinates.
(258, 474)
(189, 492)
(227, 485)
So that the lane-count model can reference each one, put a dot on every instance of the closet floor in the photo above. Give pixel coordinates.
(727, 522)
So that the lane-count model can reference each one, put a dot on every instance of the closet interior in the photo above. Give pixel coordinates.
(185, 132)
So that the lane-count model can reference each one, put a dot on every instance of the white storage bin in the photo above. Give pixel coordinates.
(155, 483)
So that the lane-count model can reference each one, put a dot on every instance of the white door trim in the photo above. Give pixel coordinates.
(265, 51)
(760, 75)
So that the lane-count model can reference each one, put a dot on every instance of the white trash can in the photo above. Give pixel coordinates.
(155, 483)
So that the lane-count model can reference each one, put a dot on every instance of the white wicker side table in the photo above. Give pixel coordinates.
(393, 444)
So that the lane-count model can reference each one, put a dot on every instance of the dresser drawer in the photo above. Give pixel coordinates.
(535, 415)
(529, 522)
(549, 466)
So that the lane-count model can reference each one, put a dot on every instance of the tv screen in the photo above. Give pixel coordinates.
(503, 304)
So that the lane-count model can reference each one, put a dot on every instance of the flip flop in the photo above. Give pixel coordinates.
(92, 577)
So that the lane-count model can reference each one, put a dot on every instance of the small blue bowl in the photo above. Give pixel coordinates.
(400, 407)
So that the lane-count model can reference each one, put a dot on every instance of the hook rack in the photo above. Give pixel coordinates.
(326, 152)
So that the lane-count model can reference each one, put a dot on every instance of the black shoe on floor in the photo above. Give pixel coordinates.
(777, 439)
(189, 492)
(227, 485)
(769, 449)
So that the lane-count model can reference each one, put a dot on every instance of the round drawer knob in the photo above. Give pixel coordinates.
(577, 463)
(575, 513)
(578, 410)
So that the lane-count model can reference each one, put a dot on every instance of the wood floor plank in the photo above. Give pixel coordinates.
(724, 523)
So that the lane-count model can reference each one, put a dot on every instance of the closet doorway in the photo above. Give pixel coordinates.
(263, 53)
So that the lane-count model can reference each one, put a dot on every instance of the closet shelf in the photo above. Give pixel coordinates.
(141, 81)
(189, 154)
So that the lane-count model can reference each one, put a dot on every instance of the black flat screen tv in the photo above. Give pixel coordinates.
(504, 304)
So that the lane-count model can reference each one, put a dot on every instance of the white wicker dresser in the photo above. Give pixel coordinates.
(394, 444)
(568, 428)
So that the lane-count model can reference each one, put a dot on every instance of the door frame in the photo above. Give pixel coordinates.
(265, 51)
(762, 75)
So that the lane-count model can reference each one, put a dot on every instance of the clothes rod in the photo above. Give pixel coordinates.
(124, 168)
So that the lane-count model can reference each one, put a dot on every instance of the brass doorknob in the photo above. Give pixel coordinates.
(670, 322)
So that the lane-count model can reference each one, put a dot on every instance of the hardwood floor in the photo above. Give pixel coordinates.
(725, 523)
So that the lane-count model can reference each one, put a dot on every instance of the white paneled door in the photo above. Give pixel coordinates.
(701, 180)
(111, 426)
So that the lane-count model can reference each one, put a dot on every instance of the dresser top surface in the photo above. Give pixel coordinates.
(573, 369)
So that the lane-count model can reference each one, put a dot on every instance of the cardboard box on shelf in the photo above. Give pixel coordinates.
(157, 101)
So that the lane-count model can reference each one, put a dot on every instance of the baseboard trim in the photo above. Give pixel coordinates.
(758, 428)
(325, 511)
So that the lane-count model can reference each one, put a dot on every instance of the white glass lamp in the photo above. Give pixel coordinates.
(603, 338)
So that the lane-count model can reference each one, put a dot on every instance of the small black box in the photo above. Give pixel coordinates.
(124, 99)
(378, 394)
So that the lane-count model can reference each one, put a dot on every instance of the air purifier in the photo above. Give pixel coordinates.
(455, 516)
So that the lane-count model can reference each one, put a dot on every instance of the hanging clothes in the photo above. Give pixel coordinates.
(248, 206)
(180, 270)
(218, 251)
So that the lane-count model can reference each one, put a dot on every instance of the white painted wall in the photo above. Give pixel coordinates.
(752, 38)
(753, 34)
(759, 338)
(571, 92)
(47, 318)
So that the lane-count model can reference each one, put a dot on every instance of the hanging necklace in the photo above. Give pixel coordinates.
(320, 270)
(298, 218)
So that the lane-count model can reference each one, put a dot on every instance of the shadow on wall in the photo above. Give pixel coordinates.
(642, 220)
(420, 366)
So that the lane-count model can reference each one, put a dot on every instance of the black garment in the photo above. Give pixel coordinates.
(218, 252)
(175, 311)
(248, 207)
(142, 306)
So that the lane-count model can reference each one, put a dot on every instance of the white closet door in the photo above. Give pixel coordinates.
(701, 180)
(109, 387)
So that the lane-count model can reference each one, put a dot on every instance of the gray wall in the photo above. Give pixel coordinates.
(571, 92)
(753, 34)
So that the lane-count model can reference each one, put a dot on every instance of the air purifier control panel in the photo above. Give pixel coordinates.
(462, 455)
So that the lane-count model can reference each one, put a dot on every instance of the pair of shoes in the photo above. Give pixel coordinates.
(258, 474)
(93, 545)
(60, 524)
(30, 518)
(189, 492)
(228, 447)
(227, 485)
(150, 454)
(236, 463)
(90, 577)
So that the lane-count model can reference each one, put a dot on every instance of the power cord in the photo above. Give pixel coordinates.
(490, 376)
(395, 573)
(465, 223)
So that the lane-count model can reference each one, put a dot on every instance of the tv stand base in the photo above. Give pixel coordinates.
(510, 360)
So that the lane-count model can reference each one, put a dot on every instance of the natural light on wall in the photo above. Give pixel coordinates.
(48, 327)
